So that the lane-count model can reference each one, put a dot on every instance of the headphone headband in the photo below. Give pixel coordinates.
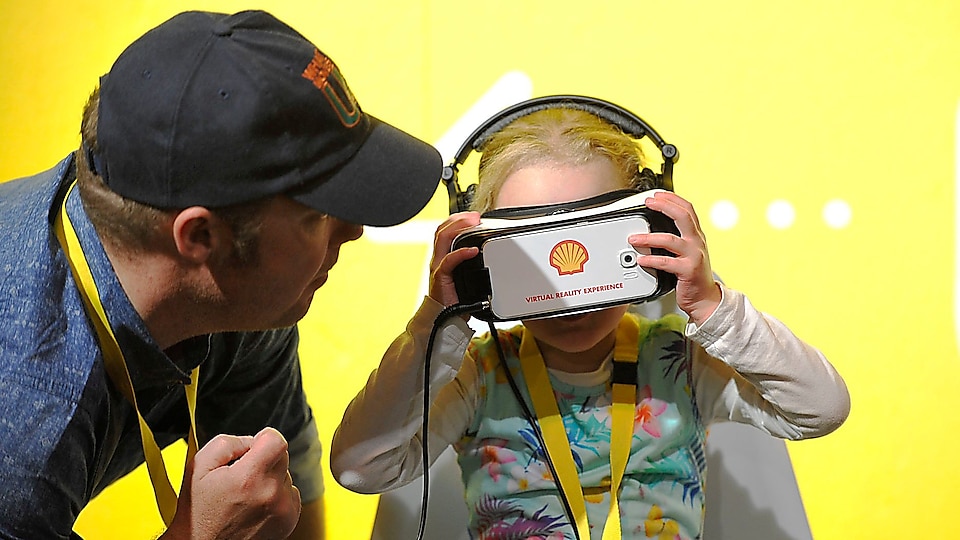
(628, 122)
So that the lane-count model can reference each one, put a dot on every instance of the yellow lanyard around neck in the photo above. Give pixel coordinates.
(555, 435)
(116, 366)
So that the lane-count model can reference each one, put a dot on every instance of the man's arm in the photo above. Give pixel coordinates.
(311, 525)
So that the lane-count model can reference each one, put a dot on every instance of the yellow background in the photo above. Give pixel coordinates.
(801, 101)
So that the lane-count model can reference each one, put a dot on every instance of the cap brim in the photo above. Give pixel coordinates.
(388, 181)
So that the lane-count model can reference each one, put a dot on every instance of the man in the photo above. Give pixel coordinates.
(224, 161)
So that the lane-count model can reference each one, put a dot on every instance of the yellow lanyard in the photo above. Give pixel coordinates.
(116, 366)
(555, 435)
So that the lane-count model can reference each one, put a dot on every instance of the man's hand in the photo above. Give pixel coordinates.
(237, 488)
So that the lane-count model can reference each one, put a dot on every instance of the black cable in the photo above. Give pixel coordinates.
(445, 313)
(536, 430)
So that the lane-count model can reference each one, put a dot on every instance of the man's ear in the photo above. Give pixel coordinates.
(198, 233)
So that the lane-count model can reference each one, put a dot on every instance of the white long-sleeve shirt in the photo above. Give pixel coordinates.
(746, 367)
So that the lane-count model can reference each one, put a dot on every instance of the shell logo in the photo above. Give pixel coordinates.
(568, 257)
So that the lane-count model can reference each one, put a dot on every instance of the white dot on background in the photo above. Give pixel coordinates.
(780, 214)
(724, 215)
(837, 213)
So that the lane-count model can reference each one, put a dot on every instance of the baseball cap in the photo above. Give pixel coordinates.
(212, 109)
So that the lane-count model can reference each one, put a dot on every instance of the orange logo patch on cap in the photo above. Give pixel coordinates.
(568, 257)
(323, 73)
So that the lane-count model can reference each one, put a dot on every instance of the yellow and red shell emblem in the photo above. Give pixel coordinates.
(568, 257)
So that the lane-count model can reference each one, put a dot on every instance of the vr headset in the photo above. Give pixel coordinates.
(561, 259)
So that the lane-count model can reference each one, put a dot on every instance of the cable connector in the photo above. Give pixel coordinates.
(460, 309)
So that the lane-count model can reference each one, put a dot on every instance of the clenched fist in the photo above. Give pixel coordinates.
(237, 488)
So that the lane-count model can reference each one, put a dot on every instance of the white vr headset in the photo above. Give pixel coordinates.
(561, 259)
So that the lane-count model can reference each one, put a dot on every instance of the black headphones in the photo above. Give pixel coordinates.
(628, 122)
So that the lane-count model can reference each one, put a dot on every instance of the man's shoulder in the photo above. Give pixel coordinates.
(25, 211)
(36, 188)
(43, 330)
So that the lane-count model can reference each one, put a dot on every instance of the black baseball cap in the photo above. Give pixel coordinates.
(211, 109)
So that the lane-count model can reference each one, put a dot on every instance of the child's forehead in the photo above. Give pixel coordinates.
(549, 183)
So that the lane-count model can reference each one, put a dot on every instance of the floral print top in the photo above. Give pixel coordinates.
(740, 365)
(510, 491)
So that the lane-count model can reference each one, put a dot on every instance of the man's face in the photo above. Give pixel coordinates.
(297, 247)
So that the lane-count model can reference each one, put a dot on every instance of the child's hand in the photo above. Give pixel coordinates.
(698, 295)
(441, 281)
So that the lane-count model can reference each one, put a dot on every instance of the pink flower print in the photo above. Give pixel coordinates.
(493, 457)
(647, 412)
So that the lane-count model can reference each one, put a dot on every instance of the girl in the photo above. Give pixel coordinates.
(726, 362)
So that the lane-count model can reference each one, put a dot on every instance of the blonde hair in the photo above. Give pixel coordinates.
(558, 135)
(134, 226)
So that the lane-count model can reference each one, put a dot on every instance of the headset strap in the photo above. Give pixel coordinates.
(555, 435)
(116, 366)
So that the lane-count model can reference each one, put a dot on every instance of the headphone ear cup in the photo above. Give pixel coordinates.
(647, 179)
(465, 198)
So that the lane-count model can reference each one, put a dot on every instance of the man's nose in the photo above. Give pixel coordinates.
(350, 231)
